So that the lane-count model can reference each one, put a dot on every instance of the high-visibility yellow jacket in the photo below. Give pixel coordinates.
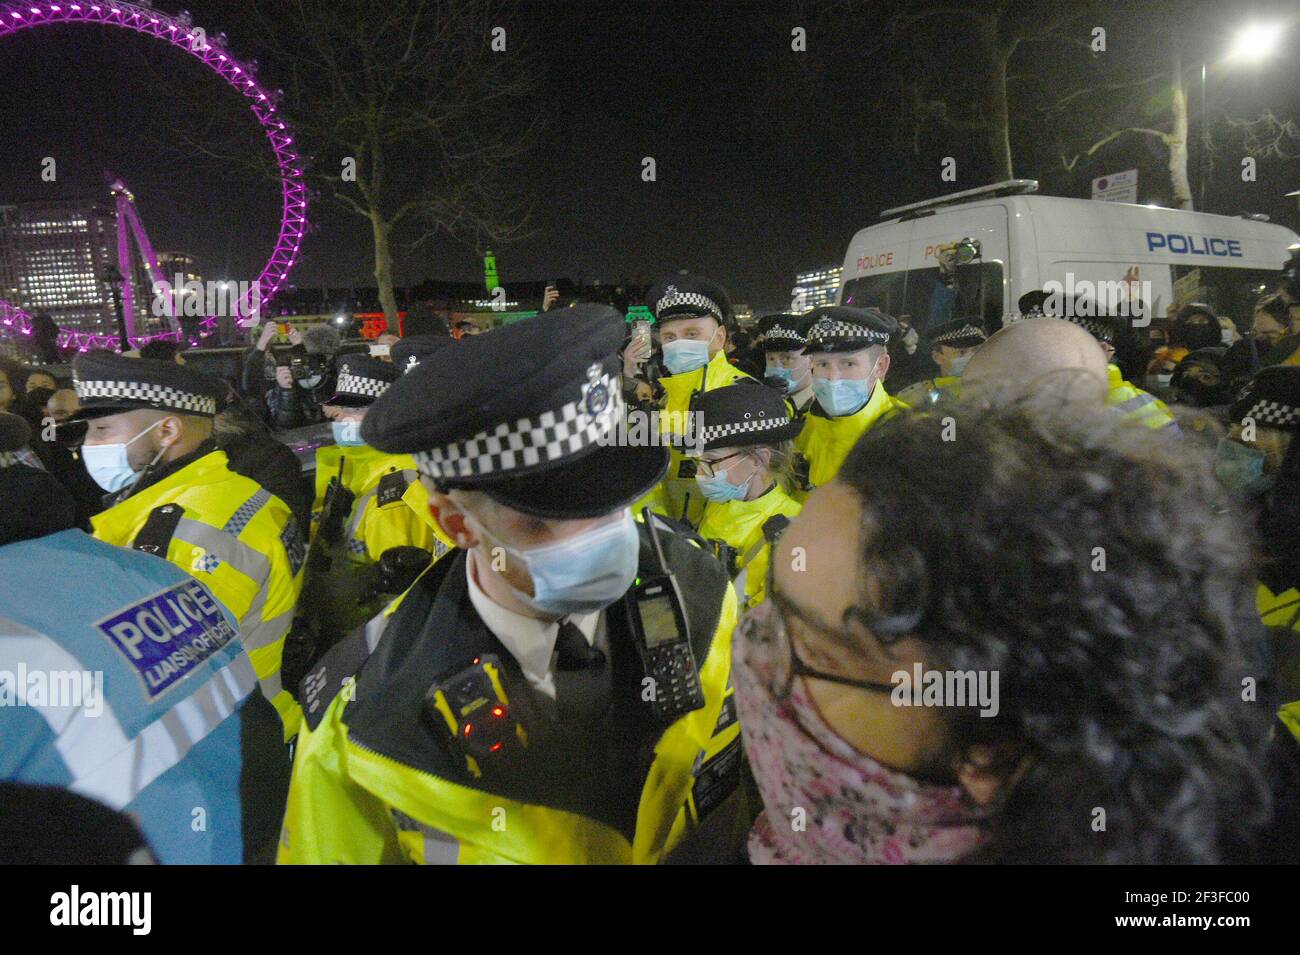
(1137, 406)
(377, 779)
(677, 496)
(237, 538)
(1282, 609)
(931, 390)
(741, 525)
(825, 442)
(391, 506)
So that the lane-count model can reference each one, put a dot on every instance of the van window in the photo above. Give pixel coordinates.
(918, 295)
(1232, 293)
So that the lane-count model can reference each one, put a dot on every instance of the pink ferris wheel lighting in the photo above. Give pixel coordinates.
(181, 33)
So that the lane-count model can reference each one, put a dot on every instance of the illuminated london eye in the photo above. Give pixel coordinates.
(179, 32)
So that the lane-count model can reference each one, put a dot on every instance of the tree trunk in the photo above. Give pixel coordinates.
(1177, 140)
(993, 98)
(384, 270)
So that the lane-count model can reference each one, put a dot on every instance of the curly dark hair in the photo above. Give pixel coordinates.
(1085, 562)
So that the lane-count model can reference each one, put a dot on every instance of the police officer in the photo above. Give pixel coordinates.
(692, 314)
(746, 473)
(782, 338)
(546, 694)
(367, 504)
(127, 684)
(148, 442)
(850, 359)
(951, 345)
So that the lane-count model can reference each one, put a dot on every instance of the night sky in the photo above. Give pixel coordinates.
(767, 160)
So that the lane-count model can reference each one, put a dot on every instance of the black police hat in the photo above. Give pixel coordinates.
(962, 333)
(361, 380)
(841, 328)
(413, 349)
(1087, 313)
(530, 414)
(783, 332)
(743, 414)
(108, 383)
(1271, 398)
(689, 296)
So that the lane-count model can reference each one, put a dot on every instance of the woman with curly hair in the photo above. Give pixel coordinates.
(1002, 637)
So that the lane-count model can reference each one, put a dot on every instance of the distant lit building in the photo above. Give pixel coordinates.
(52, 259)
(816, 288)
(179, 269)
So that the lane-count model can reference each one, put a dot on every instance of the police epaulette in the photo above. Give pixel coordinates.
(156, 534)
(329, 675)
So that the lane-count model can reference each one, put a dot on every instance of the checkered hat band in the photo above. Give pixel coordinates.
(709, 434)
(823, 332)
(527, 442)
(697, 301)
(1098, 330)
(1273, 413)
(159, 396)
(360, 386)
(779, 333)
(966, 331)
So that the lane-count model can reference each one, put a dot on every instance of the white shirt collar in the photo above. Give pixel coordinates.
(530, 641)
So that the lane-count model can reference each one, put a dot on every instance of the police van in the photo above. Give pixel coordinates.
(997, 242)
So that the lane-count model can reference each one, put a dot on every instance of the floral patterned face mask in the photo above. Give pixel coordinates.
(824, 802)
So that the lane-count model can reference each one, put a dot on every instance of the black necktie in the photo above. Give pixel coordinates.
(573, 652)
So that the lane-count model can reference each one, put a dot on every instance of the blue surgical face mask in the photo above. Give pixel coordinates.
(718, 489)
(1241, 469)
(959, 365)
(582, 574)
(109, 466)
(347, 433)
(843, 396)
(685, 355)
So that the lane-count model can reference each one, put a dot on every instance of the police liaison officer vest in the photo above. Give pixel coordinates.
(236, 537)
(376, 781)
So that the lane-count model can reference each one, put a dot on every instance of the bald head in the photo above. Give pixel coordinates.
(1038, 357)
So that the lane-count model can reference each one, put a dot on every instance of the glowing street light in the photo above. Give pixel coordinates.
(1256, 41)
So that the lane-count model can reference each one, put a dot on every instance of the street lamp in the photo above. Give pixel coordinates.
(1253, 43)
(113, 277)
(1256, 41)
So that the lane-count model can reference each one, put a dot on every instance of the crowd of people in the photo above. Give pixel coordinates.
(568, 591)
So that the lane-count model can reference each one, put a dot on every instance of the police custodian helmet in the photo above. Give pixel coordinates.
(530, 415)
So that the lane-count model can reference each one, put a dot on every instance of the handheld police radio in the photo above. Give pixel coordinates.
(472, 708)
(662, 637)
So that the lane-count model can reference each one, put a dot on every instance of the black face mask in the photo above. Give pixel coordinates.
(37, 397)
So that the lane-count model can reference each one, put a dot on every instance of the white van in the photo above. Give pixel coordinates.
(1025, 241)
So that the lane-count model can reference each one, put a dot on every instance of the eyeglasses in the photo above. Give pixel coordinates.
(843, 665)
(709, 468)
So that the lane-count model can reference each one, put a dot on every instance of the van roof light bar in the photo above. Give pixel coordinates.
(1010, 187)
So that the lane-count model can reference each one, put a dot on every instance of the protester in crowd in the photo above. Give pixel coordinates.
(148, 442)
(746, 473)
(970, 554)
(1194, 326)
(1200, 381)
(8, 393)
(33, 501)
(301, 376)
(849, 348)
(252, 450)
(1045, 358)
